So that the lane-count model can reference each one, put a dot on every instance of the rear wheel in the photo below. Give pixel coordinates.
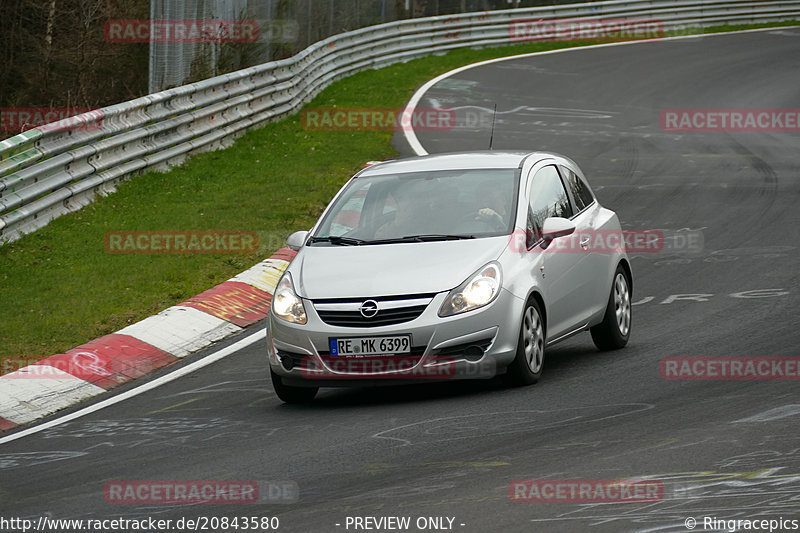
(615, 329)
(529, 362)
(290, 394)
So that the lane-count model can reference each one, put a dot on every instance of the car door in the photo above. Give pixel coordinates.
(559, 271)
(593, 237)
(592, 242)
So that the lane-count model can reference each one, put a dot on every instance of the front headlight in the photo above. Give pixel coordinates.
(478, 290)
(286, 304)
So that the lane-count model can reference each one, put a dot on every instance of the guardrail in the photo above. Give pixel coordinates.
(54, 169)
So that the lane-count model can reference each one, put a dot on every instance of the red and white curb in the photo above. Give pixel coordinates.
(90, 369)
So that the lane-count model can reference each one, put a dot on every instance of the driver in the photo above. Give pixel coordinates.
(496, 209)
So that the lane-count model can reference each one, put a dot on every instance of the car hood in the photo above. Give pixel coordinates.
(390, 269)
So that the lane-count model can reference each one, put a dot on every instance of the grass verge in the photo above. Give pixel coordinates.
(60, 288)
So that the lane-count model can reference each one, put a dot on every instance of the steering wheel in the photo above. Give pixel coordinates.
(493, 224)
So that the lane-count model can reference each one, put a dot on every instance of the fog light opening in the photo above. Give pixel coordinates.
(473, 353)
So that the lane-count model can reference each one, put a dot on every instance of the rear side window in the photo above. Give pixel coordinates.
(580, 190)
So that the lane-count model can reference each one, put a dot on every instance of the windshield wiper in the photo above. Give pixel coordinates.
(423, 238)
(339, 240)
(352, 241)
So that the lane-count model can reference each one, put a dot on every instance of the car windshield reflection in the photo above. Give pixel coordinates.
(422, 207)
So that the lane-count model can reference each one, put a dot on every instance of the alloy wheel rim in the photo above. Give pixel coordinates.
(533, 339)
(622, 304)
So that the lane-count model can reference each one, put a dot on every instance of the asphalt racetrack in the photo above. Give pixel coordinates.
(721, 449)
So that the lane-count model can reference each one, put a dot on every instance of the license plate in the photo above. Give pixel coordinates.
(371, 345)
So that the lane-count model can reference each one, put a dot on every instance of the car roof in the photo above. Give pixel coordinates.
(455, 161)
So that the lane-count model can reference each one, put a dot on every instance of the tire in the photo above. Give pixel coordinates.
(290, 394)
(615, 329)
(527, 366)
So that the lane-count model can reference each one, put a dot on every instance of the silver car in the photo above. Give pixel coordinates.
(461, 265)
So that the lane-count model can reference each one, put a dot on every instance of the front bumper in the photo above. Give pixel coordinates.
(477, 344)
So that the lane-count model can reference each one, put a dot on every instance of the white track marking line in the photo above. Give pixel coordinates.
(411, 138)
(172, 376)
(408, 127)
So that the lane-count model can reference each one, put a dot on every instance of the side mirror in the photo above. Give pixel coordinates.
(297, 239)
(555, 227)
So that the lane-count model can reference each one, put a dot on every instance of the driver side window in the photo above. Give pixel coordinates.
(548, 198)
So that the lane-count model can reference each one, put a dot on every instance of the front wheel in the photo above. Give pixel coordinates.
(615, 329)
(527, 366)
(290, 394)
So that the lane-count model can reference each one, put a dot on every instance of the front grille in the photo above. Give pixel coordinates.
(391, 310)
(350, 319)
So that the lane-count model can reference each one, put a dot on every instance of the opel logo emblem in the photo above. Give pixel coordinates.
(369, 309)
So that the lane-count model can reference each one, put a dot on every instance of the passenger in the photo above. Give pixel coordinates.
(409, 215)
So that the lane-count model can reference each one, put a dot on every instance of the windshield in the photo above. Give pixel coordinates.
(435, 205)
